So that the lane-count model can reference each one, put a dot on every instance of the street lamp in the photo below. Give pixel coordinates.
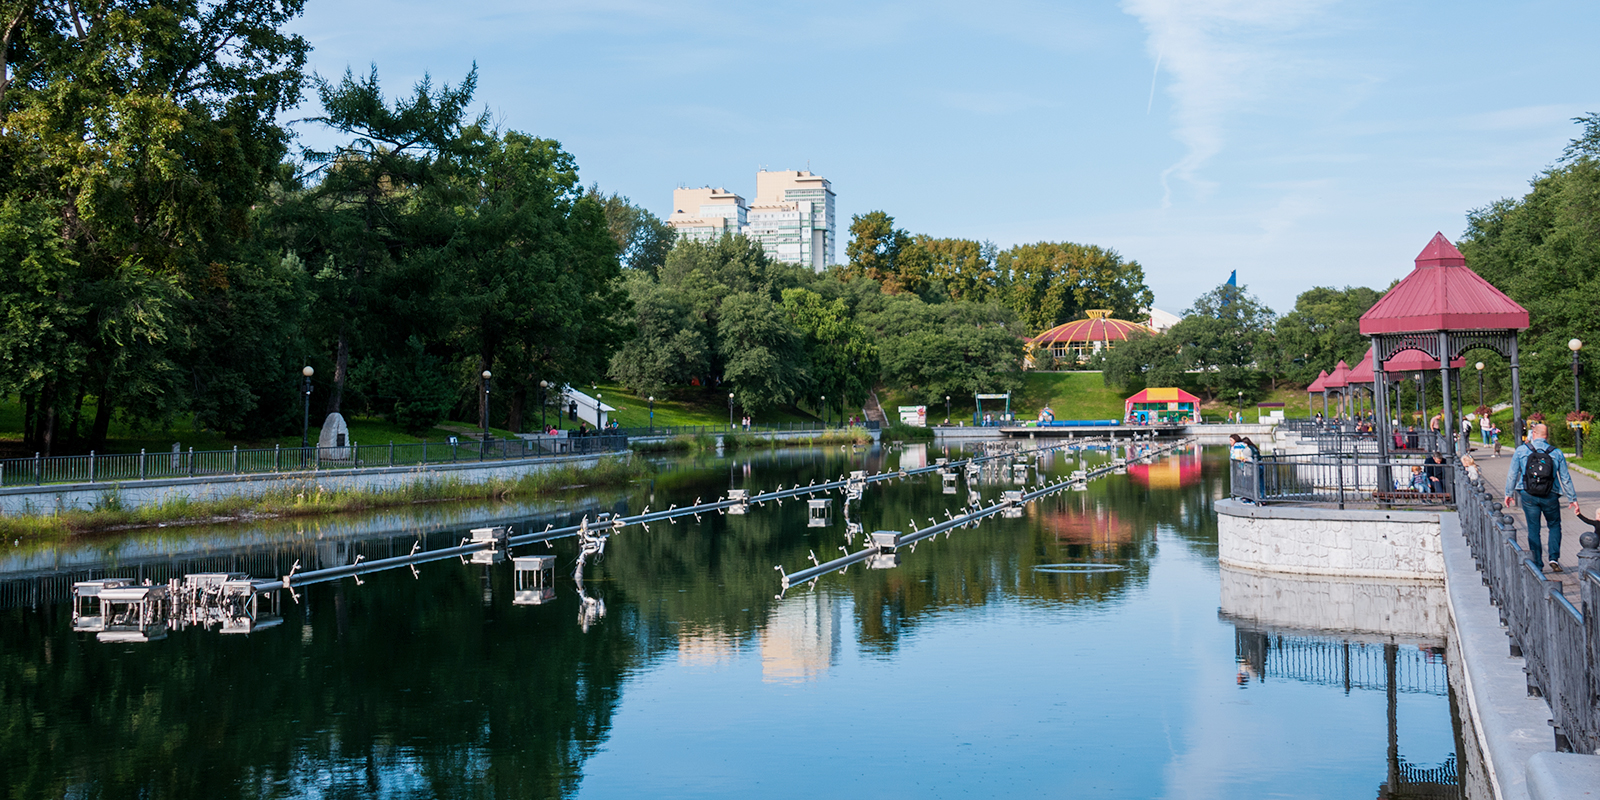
(652, 399)
(1479, 365)
(1577, 369)
(824, 411)
(305, 423)
(947, 409)
(486, 376)
(730, 409)
(543, 385)
(1241, 406)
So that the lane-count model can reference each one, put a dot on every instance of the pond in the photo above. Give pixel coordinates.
(1078, 650)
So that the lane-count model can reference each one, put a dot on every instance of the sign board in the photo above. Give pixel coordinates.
(914, 415)
(1005, 396)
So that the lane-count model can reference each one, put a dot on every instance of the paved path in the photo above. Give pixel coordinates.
(1494, 474)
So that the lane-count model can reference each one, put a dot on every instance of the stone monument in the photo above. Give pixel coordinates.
(334, 442)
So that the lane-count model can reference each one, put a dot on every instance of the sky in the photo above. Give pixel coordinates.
(1301, 142)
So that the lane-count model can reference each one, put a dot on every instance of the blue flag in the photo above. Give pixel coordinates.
(1233, 278)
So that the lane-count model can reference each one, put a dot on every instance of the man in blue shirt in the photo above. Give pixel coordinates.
(1533, 507)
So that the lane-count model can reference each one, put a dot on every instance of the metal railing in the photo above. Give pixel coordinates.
(1560, 642)
(713, 430)
(106, 467)
(1338, 478)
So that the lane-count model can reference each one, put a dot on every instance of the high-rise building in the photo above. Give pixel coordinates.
(705, 214)
(792, 216)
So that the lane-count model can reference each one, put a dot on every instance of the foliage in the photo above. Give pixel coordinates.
(1054, 282)
(883, 253)
(1142, 361)
(842, 359)
(1222, 336)
(947, 349)
(1323, 328)
(1543, 250)
(643, 239)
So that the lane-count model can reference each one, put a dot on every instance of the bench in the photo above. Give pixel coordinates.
(1428, 498)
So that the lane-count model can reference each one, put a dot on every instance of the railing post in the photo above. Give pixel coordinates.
(38, 469)
(277, 458)
(91, 466)
(1339, 465)
(1588, 555)
(236, 459)
(191, 460)
(391, 452)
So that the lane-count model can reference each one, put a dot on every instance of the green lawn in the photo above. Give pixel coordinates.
(1072, 395)
(692, 406)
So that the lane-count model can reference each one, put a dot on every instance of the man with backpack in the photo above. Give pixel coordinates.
(1539, 476)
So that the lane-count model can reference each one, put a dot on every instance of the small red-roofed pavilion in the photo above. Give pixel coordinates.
(1336, 382)
(1439, 311)
(1319, 385)
(1361, 376)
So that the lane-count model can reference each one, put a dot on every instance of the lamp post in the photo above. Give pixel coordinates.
(543, 385)
(947, 409)
(730, 410)
(1577, 369)
(824, 411)
(1479, 365)
(486, 376)
(1241, 406)
(305, 391)
(652, 400)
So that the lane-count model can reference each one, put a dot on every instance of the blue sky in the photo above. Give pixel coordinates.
(1302, 142)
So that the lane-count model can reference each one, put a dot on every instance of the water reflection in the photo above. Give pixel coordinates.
(473, 680)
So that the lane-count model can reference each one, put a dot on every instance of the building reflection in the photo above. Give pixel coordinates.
(801, 639)
(1174, 472)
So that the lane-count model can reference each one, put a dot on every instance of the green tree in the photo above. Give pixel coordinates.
(883, 253)
(1323, 328)
(948, 348)
(841, 357)
(643, 239)
(669, 345)
(960, 269)
(763, 359)
(1049, 283)
(1222, 336)
(148, 131)
(1144, 360)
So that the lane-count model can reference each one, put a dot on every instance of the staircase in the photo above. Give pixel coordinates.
(874, 409)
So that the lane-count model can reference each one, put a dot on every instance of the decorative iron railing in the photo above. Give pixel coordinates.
(106, 467)
(1559, 641)
(1341, 478)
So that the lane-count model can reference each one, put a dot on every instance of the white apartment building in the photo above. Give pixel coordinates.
(792, 216)
(705, 214)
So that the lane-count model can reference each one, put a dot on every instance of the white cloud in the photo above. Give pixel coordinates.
(1223, 56)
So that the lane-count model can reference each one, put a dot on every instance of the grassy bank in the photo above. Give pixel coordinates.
(311, 499)
(704, 442)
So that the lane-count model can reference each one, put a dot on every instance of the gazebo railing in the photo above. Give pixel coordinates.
(1337, 478)
(1559, 641)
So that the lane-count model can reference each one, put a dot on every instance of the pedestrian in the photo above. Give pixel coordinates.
(1434, 467)
(1538, 477)
(1411, 437)
(1470, 464)
(1419, 479)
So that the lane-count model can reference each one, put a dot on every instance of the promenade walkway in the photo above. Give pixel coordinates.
(1494, 473)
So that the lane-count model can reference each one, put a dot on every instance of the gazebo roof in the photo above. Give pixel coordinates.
(1338, 378)
(1442, 294)
(1363, 370)
(1099, 327)
(1320, 384)
(1165, 394)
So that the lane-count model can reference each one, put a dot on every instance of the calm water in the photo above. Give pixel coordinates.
(964, 672)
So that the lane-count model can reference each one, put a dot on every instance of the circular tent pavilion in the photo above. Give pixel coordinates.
(1079, 339)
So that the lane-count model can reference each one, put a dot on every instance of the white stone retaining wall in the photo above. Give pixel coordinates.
(1322, 541)
(49, 499)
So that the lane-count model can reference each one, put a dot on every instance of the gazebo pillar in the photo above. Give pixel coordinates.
(1443, 446)
(1385, 435)
(1516, 396)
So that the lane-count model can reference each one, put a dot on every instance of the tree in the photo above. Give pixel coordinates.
(643, 239)
(146, 132)
(1222, 336)
(959, 269)
(1323, 328)
(1049, 283)
(1144, 360)
(1543, 250)
(949, 348)
(360, 217)
(669, 345)
(763, 358)
(841, 357)
(883, 253)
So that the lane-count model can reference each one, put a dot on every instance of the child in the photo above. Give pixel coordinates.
(1471, 465)
(1419, 480)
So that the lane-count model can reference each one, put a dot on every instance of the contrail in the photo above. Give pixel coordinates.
(1153, 75)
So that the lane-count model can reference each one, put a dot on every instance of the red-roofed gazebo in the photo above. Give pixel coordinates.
(1319, 385)
(1336, 382)
(1441, 310)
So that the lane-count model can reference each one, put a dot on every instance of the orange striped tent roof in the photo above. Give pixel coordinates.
(1099, 327)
